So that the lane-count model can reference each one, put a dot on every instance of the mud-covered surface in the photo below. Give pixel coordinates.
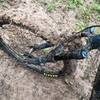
(20, 83)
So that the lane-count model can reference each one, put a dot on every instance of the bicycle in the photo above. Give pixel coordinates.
(56, 54)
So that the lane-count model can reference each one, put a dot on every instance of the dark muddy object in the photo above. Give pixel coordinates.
(95, 95)
(56, 54)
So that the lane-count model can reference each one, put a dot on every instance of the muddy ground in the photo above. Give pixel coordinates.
(20, 83)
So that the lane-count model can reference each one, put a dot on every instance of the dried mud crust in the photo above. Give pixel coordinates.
(21, 83)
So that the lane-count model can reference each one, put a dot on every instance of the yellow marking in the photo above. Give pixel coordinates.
(50, 75)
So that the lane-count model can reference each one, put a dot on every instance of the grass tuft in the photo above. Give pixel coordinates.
(72, 4)
(51, 6)
(80, 25)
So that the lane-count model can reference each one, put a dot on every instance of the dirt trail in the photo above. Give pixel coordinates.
(20, 83)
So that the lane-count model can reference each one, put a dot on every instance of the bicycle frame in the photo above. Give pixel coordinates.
(54, 55)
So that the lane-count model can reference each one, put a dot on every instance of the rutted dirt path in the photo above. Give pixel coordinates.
(20, 83)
